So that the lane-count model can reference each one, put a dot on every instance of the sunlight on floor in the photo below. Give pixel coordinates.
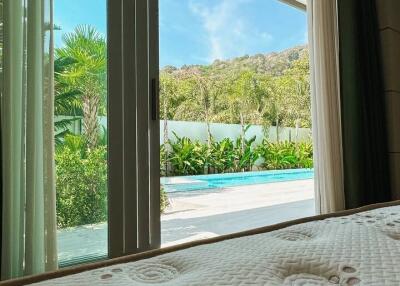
(216, 212)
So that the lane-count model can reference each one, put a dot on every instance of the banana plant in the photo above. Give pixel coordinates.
(245, 156)
(187, 157)
(222, 155)
(305, 155)
(285, 155)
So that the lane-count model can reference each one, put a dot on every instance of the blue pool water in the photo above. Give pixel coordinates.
(214, 181)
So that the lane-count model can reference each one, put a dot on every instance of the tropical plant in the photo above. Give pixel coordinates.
(205, 95)
(81, 184)
(270, 90)
(75, 143)
(277, 156)
(242, 98)
(199, 92)
(163, 161)
(86, 74)
(285, 155)
(299, 75)
(168, 91)
(222, 156)
(67, 105)
(304, 151)
(187, 157)
(244, 155)
(66, 101)
(103, 136)
(164, 203)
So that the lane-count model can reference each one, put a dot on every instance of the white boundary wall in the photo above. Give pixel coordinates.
(198, 131)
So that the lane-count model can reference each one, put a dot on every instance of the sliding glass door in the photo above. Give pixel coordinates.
(80, 132)
(107, 130)
(235, 102)
(81, 110)
(106, 126)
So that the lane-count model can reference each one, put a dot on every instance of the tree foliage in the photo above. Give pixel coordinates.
(81, 184)
(84, 74)
(242, 91)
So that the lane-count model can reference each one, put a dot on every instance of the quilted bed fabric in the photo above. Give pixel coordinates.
(360, 249)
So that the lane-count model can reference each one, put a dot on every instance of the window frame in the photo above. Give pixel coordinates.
(133, 137)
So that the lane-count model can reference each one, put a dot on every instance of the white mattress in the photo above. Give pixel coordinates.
(360, 249)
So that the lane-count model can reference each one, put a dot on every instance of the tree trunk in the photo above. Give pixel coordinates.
(297, 130)
(90, 122)
(208, 131)
(242, 136)
(208, 134)
(277, 129)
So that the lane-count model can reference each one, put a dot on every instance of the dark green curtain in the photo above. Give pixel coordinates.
(365, 151)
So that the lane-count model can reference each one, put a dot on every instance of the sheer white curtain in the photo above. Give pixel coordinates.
(325, 93)
(29, 218)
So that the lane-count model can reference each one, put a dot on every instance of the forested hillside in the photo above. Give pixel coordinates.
(267, 89)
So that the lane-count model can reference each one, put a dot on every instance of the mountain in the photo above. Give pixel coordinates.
(271, 63)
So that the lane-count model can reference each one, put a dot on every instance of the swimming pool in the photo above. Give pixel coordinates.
(215, 181)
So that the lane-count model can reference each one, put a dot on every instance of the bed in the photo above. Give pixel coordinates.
(355, 247)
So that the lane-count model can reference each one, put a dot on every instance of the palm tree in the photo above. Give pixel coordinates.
(66, 100)
(204, 100)
(243, 99)
(86, 75)
(203, 91)
(168, 90)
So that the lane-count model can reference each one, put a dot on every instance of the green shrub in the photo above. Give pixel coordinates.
(81, 186)
(187, 157)
(81, 183)
(245, 155)
(305, 155)
(285, 155)
(164, 203)
(222, 156)
(82, 173)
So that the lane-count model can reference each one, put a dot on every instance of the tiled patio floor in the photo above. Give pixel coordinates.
(195, 215)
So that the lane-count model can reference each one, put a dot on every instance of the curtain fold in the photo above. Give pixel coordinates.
(326, 110)
(366, 167)
(29, 220)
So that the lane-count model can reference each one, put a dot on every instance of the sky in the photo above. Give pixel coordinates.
(201, 31)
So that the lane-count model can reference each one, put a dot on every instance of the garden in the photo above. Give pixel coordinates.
(272, 92)
(82, 172)
(186, 157)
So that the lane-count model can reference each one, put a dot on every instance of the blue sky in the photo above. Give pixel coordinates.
(200, 31)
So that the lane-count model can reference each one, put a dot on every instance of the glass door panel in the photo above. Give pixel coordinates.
(236, 149)
(81, 129)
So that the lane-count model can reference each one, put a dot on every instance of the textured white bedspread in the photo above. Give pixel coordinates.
(360, 249)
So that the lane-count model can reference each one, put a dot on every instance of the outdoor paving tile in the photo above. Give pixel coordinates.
(207, 214)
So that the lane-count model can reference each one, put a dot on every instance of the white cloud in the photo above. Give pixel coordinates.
(229, 33)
